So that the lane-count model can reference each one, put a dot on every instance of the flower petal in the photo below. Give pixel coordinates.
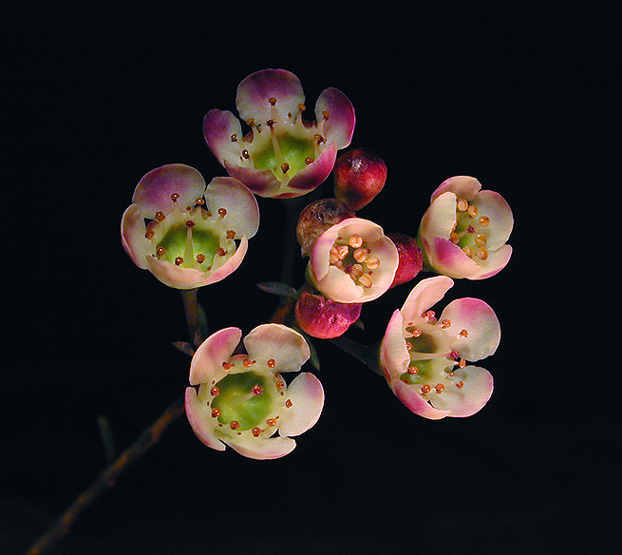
(154, 190)
(260, 182)
(466, 401)
(133, 238)
(255, 90)
(178, 277)
(207, 361)
(218, 129)
(339, 127)
(242, 214)
(262, 448)
(200, 420)
(285, 346)
(481, 324)
(315, 173)
(338, 286)
(415, 402)
(440, 217)
(450, 259)
(494, 206)
(424, 296)
(462, 186)
(307, 396)
(230, 266)
(394, 355)
(495, 262)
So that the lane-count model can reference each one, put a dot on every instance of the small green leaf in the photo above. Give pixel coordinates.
(278, 288)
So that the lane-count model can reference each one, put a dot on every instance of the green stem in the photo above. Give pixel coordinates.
(192, 312)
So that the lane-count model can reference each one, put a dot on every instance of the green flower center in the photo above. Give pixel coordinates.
(174, 247)
(245, 398)
(294, 155)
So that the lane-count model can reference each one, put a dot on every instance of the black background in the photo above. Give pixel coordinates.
(519, 97)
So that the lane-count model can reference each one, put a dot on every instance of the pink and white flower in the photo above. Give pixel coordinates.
(465, 229)
(423, 358)
(185, 234)
(243, 401)
(283, 155)
(353, 261)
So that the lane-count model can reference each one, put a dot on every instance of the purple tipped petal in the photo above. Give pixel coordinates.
(154, 190)
(339, 127)
(481, 324)
(394, 357)
(219, 127)
(315, 173)
(451, 260)
(242, 211)
(307, 396)
(207, 361)
(285, 346)
(254, 92)
(424, 296)
(415, 402)
(133, 238)
(260, 182)
(471, 397)
(462, 186)
(263, 448)
(200, 420)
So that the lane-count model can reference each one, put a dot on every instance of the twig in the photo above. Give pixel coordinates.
(108, 477)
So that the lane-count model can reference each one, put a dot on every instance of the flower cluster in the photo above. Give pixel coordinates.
(189, 234)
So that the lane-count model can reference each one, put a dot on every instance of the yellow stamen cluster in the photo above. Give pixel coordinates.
(354, 258)
(467, 231)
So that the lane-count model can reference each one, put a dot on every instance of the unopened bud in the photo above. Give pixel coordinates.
(324, 318)
(316, 218)
(359, 177)
(411, 259)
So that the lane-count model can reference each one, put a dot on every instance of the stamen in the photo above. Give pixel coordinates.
(468, 251)
(150, 234)
(425, 389)
(454, 237)
(484, 221)
(464, 333)
(222, 212)
(480, 240)
(288, 403)
(439, 387)
(284, 167)
(174, 197)
(256, 432)
(355, 241)
(215, 413)
(257, 389)
(482, 253)
(361, 254)
(271, 422)
(220, 251)
(272, 101)
(179, 261)
(159, 216)
(445, 323)
(372, 263)
(199, 201)
(245, 154)
(234, 138)
(190, 223)
(459, 385)
(271, 363)
(413, 370)
(342, 251)
(230, 234)
(234, 424)
(308, 161)
(247, 363)
(461, 363)
(326, 114)
(366, 281)
(462, 205)
(472, 210)
(160, 251)
(214, 391)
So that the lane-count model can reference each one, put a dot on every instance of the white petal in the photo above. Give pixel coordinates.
(424, 296)
(285, 346)
(207, 361)
(201, 421)
(262, 448)
(307, 396)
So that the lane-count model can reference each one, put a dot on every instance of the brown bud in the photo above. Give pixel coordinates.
(359, 177)
(316, 218)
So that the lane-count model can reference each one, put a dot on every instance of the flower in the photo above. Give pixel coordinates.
(353, 261)
(243, 401)
(325, 318)
(464, 230)
(419, 353)
(283, 155)
(190, 238)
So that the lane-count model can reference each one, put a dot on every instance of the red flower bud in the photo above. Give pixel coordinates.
(359, 177)
(324, 318)
(411, 259)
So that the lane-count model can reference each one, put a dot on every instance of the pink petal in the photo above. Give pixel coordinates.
(481, 324)
(154, 190)
(339, 127)
(495, 262)
(315, 173)
(201, 420)
(394, 357)
(338, 286)
(260, 182)
(462, 185)
(255, 90)
(218, 128)
(450, 259)
(262, 448)
(207, 361)
(242, 214)
(424, 296)
(307, 396)
(285, 346)
(466, 401)
(415, 402)
(494, 206)
(133, 238)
